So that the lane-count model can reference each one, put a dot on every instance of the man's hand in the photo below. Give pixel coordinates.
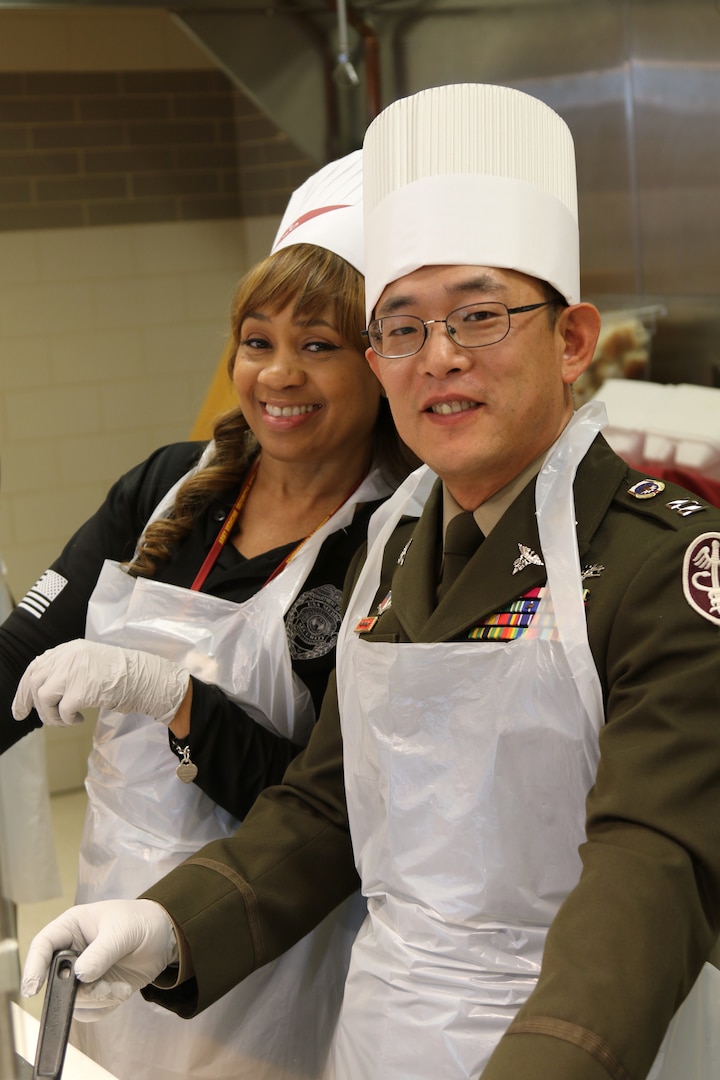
(123, 945)
(80, 673)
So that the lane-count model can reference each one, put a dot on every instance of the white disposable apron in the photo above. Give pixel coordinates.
(466, 768)
(142, 821)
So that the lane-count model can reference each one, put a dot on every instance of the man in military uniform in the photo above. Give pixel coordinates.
(527, 693)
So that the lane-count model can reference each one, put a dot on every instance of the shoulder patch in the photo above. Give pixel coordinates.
(701, 576)
(38, 599)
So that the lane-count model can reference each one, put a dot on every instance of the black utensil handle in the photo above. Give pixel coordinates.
(56, 1016)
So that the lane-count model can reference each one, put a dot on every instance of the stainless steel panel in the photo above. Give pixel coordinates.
(676, 92)
(638, 82)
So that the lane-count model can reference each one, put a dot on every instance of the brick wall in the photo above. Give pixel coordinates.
(104, 148)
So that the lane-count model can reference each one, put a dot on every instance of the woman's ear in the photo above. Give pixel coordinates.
(579, 327)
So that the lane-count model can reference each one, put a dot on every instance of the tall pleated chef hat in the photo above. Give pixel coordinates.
(474, 175)
(327, 211)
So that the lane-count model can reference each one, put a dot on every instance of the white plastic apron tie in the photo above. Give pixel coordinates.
(466, 768)
(142, 821)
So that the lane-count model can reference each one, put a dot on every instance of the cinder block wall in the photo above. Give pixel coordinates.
(124, 147)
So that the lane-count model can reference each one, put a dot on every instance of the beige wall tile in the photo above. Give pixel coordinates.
(209, 295)
(136, 403)
(259, 233)
(194, 247)
(28, 466)
(105, 456)
(19, 257)
(139, 301)
(97, 356)
(40, 308)
(79, 252)
(25, 361)
(191, 349)
(42, 511)
(49, 411)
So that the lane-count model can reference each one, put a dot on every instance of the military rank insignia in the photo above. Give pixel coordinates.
(685, 507)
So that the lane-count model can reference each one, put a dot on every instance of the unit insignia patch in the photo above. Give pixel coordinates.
(701, 576)
(646, 489)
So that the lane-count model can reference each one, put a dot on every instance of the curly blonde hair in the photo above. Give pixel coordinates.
(309, 278)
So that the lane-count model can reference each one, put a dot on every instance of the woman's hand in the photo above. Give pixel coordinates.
(80, 674)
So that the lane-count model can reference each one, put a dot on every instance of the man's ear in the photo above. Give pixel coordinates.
(374, 361)
(579, 327)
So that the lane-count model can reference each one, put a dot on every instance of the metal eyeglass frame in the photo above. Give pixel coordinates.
(449, 330)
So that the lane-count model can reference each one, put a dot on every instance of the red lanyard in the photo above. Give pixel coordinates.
(226, 528)
(229, 523)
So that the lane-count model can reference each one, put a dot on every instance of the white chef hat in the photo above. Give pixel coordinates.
(470, 174)
(327, 211)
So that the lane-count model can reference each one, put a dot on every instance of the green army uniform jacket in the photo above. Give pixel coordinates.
(630, 939)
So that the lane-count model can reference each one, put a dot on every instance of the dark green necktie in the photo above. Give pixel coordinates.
(462, 539)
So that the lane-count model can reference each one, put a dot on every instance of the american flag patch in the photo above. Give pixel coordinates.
(38, 599)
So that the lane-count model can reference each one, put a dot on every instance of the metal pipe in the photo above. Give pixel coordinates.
(9, 985)
(345, 73)
(371, 55)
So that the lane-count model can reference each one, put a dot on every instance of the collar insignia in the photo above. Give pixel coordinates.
(403, 553)
(527, 557)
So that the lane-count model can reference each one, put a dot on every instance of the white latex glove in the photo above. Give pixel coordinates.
(126, 943)
(80, 673)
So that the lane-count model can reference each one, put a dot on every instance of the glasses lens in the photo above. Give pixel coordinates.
(396, 336)
(479, 324)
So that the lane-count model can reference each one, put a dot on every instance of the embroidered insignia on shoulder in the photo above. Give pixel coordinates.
(595, 570)
(701, 576)
(527, 557)
(685, 507)
(365, 625)
(646, 489)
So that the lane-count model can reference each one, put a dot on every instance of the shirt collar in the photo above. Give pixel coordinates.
(489, 513)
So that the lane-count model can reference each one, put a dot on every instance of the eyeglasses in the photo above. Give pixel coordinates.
(396, 336)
